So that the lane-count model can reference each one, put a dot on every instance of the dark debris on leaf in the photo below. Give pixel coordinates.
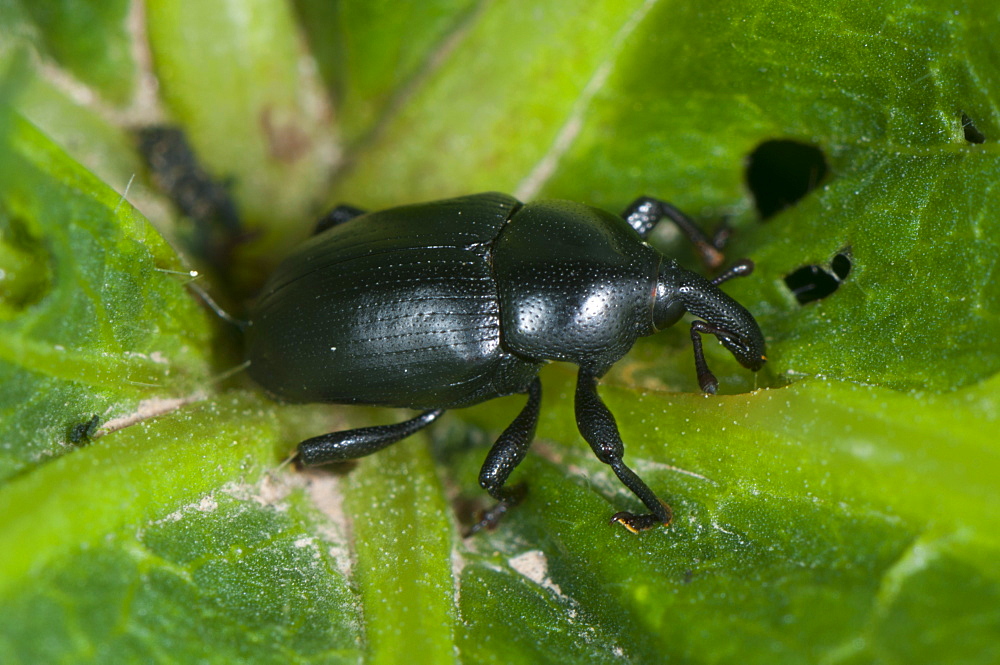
(176, 170)
(80, 434)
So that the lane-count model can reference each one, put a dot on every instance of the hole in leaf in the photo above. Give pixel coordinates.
(972, 135)
(812, 282)
(779, 173)
(841, 265)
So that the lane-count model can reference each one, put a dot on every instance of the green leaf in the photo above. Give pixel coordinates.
(233, 74)
(368, 69)
(94, 319)
(403, 543)
(837, 507)
(89, 40)
(219, 552)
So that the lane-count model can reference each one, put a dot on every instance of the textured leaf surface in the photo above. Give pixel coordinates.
(89, 39)
(94, 319)
(838, 507)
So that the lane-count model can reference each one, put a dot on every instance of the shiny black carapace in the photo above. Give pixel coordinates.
(446, 304)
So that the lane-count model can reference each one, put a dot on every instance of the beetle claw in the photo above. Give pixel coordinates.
(637, 523)
(488, 519)
(625, 519)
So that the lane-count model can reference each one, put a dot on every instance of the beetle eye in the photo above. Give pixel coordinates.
(668, 306)
(667, 312)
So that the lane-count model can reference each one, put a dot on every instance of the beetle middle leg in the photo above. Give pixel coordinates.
(354, 443)
(597, 425)
(339, 215)
(508, 451)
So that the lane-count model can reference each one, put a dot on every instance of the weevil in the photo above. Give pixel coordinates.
(446, 304)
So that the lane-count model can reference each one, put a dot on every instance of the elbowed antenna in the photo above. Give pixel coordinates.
(741, 268)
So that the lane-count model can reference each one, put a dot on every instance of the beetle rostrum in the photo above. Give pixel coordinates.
(450, 303)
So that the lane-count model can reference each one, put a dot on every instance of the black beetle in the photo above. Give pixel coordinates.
(446, 304)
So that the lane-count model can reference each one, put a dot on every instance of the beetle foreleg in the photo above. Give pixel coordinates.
(646, 212)
(598, 427)
(504, 456)
(354, 443)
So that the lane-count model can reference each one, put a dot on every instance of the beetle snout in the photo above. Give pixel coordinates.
(748, 352)
(730, 321)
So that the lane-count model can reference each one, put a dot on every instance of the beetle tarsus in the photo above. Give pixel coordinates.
(637, 523)
(710, 256)
(489, 519)
(720, 237)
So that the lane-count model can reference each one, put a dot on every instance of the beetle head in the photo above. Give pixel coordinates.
(679, 291)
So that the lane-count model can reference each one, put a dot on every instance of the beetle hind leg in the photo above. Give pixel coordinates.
(354, 443)
(504, 456)
(597, 424)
